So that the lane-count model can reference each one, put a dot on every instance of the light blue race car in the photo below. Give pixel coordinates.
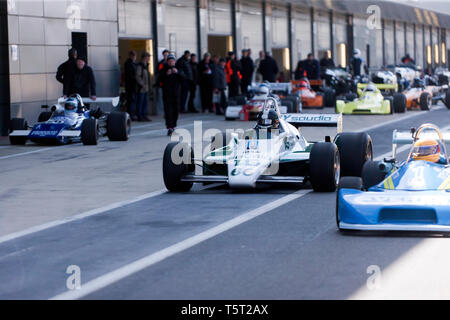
(70, 120)
(413, 195)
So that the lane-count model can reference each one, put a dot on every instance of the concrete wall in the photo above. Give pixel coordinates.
(40, 35)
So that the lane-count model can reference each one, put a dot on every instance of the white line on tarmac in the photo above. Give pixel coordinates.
(138, 265)
(80, 216)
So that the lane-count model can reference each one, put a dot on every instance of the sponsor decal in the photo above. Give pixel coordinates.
(306, 118)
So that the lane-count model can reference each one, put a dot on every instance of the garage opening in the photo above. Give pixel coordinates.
(138, 45)
(281, 56)
(220, 45)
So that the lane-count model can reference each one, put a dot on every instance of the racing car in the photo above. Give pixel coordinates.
(372, 101)
(274, 151)
(70, 120)
(310, 98)
(243, 109)
(411, 195)
(422, 96)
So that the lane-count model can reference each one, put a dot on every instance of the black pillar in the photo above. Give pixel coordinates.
(154, 16)
(289, 12)
(5, 99)
(264, 26)
(233, 25)
(395, 42)
(312, 31)
(415, 44)
(350, 38)
(383, 41)
(198, 27)
(331, 35)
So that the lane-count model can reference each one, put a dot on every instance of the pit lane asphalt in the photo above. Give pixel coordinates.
(293, 251)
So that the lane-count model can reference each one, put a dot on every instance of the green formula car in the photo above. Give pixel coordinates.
(372, 101)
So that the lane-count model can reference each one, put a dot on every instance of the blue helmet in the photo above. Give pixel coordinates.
(71, 105)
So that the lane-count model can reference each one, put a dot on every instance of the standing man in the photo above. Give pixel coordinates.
(130, 84)
(143, 84)
(205, 73)
(183, 65)
(233, 74)
(258, 75)
(220, 85)
(356, 63)
(66, 70)
(312, 67)
(171, 79)
(82, 81)
(326, 62)
(194, 83)
(247, 68)
(163, 61)
(268, 67)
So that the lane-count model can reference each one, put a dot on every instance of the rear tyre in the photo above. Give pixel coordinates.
(329, 98)
(447, 99)
(89, 131)
(240, 100)
(324, 167)
(118, 126)
(289, 104)
(347, 183)
(176, 166)
(355, 148)
(18, 124)
(44, 116)
(425, 101)
(371, 174)
(399, 103)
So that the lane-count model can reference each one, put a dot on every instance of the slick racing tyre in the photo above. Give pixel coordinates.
(355, 148)
(118, 126)
(176, 165)
(44, 116)
(447, 99)
(18, 124)
(89, 131)
(372, 174)
(425, 101)
(324, 167)
(399, 103)
(329, 98)
(295, 102)
(347, 183)
(289, 105)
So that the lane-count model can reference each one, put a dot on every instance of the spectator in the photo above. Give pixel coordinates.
(183, 65)
(257, 74)
(130, 84)
(82, 81)
(171, 79)
(66, 70)
(163, 61)
(143, 83)
(356, 63)
(268, 67)
(194, 83)
(309, 68)
(247, 68)
(326, 62)
(220, 85)
(233, 74)
(205, 72)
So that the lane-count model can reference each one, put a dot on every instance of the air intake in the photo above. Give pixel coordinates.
(422, 216)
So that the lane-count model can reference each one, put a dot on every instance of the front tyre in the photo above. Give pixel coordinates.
(324, 167)
(176, 165)
(355, 148)
(372, 174)
(399, 103)
(89, 131)
(346, 183)
(425, 101)
(118, 126)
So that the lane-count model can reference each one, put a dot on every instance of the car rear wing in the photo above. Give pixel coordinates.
(105, 100)
(314, 120)
(276, 86)
(405, 138)
(380, 86)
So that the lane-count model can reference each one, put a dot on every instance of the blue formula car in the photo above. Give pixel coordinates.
(70, 120)
(413, 195)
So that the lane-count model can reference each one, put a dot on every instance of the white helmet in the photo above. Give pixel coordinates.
(371, 87)
(356, 52)
(263, 89)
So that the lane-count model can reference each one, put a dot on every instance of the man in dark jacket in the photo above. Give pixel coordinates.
(233, 74)
(66, 70)
(82, 81)
(130, 84)
(220, 85)
(194, 83)
(326, 62)
(312, 67)
(171, 79)
(205, 73)
(247, 68)
(268, 68)
(184, 65)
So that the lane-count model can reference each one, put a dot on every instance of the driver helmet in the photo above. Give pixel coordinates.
(268, 120)
(356, 53)
(418, 83)
(71, 105)
(263, 89)
(371, 87)
(426, 149)
(304, 83)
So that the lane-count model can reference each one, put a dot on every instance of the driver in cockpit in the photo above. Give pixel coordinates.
(428, 150)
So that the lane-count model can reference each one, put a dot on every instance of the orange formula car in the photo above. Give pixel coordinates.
(309, 97)
(422, 97)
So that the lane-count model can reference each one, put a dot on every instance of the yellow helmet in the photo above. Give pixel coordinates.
(426, 149)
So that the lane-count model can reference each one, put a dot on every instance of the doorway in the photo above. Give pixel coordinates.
(281, 56)
(79, 42)
(220, 45)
